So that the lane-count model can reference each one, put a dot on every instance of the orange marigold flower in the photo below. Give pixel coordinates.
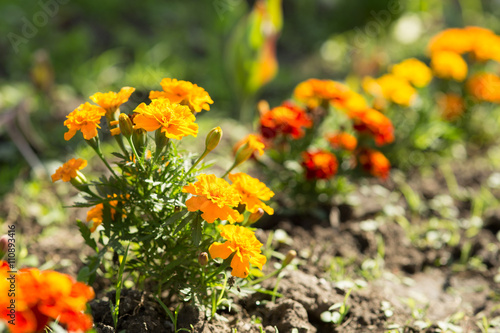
(414, 71)
(287, 119)
(320, 164)
(375, 123)
(69, 170)
(252, 192)
(314, 92)
(255, 142)
(85, 118)
(247, 247)
(94, 215)
(451, 105)
(375, 163)
(454, 40)
(175, 120)
(342, 140)
(185, 93)
(449, 65)
(485, 87)
(214, 197)
(111, 101)
(45, 296)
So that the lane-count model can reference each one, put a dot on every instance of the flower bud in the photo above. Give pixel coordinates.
(126, 126)
(139, 138)
(203, 259)
(254, 217)
(4, 245)
(243, 154)
(289, 257)
(213, 138)
(160, 140)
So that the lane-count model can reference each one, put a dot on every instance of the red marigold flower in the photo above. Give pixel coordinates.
(375, 163)
(45, 296)
(286, 119)
(185, 93)
(374, 122)
(247, 247)
(214, 197)
(252, 192)
(85, 118)
(320, 164)
(111, 101)
(342, 140)
(314, 92)
(69, 170)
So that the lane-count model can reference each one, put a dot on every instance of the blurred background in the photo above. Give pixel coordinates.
(56, 53)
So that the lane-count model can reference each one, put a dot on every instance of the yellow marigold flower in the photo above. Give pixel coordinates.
(391, 87)
(185, 93)
(453, 40)
(252, 192)
(449, 65)
(175, 120)
(255, 142)
(69, 170)
(111, 101)
(85, 118)
(314, 92)
(451, 106)
(214, 197)
(247, 247)
(485, 87)
(414, 71)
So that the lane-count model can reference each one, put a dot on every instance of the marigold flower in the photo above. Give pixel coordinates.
(247, 247)
(390, 87)
(453, 40)
(375, 123)
(449, 65)
(319, 164)
(175, 120)
(94, 215)
(342, 140)
(255, 142)
(85, 118)
(287, 119)
(214, 197)
(185, 93)
(375, 163)
(45, 296)
(314, 92)
(111, 101)
(68, 170)
(485, 87)
(414, 71)
(451, 106)
(252, 192)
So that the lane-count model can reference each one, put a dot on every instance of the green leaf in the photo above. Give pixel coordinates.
(184, 222)
(85, 232)
(196, 230)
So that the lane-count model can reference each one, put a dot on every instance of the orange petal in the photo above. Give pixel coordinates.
(220, 250)
(240, 266)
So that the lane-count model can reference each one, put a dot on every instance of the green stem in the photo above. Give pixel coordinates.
(134, 151)
(229, 170)
(251, 283)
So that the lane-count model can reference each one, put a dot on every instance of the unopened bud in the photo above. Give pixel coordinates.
(243, 154)
(255, 216)
(289, 257)
(79, 180)
(213, 138)
(4, 245)
(126, 126)
(160, 140)
(139, 138)
(203, 259)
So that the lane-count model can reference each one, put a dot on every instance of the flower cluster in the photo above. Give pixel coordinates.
(42, 297)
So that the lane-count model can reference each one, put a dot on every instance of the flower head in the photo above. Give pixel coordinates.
(247, 247)
(284, 120)
(254, 141)
(185, 93)
(252, 192)
(390, 87)
(451, 106)
(314, 92)
(111, 101)
(45, 296)
(485, 87)
(342, 140)
(414, 71)
(449, 65)
(214, 197)
(375, 163)
(175, 120)
(374, 123)
(319, 164)
(95, 214)
(69, 170)
(85, 118)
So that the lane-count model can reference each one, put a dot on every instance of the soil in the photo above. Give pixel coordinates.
(413, 276)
